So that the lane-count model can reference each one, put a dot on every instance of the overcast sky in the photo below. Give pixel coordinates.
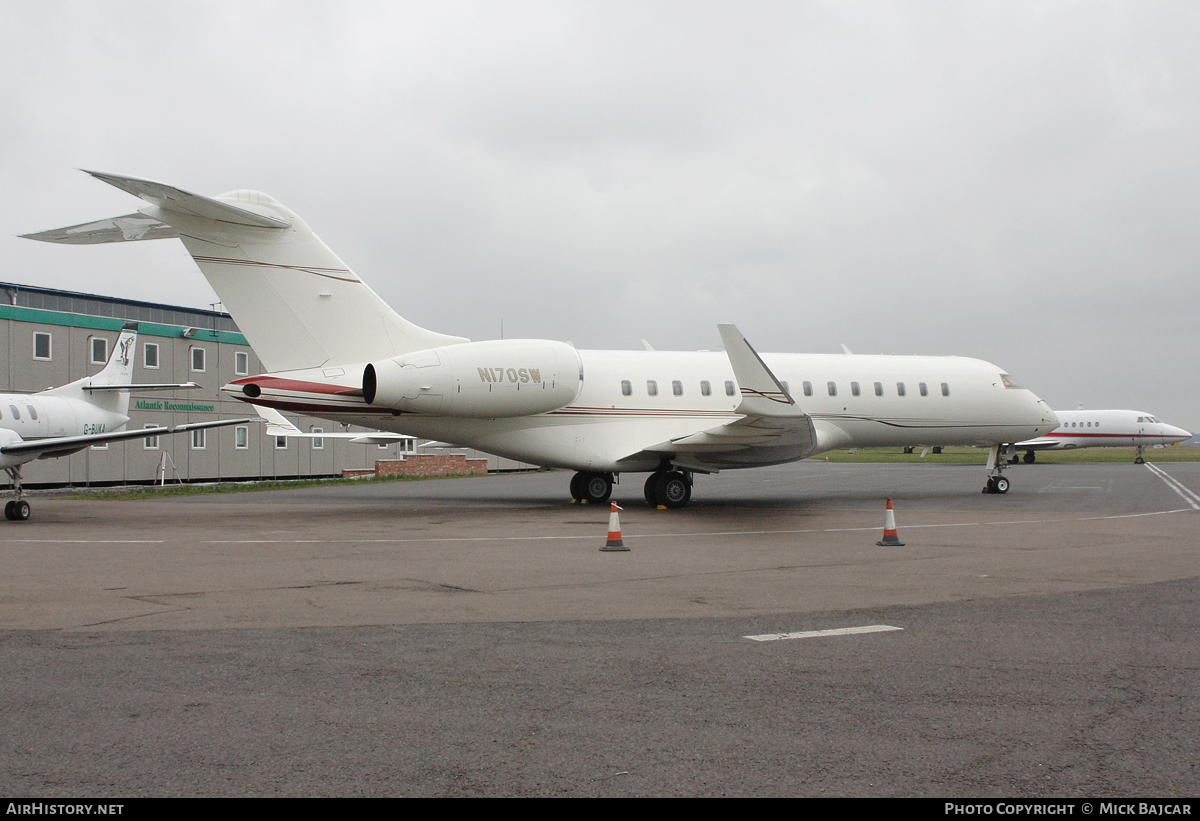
(1012, 181)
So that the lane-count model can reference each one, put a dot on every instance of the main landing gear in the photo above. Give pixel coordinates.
(591, 487)
(671, 489)
(16, 510)
(1030, 457)
(996, 483)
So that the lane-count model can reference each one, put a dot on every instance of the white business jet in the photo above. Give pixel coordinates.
(1104, 429)
(335, 350)
(86, 412)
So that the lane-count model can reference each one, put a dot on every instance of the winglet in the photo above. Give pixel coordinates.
(762, 393)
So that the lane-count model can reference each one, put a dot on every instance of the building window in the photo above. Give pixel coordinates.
(705, 388)
(198, 439)
(280, 443)
(854, 389)
(730, 388)
(99, 350)
(383, 445)
(41, 346)
(241, 437)
(900, 389)
(677, 388)
(651, 387)
(241, 363)
(150, 356)
(879, 389)
(101, 446)
(832, 386)
(923, 388)
(945, 389)
(808, 388)
(150, 442)
(198, 360)
(318, 442)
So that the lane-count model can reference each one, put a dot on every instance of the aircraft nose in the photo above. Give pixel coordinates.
(1180, 432)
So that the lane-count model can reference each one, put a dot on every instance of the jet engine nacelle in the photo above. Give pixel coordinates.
(478, 380)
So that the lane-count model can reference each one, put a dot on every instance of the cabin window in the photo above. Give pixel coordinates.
(198, 439)
(923, 388)
(241, 437)
(832, 387)
(150, 442)
(808, 388)
(626, 388)
(730, 389)
(900, 391)
(16, 413)
(32, 412)
(651, 387)
(879, 389)
(945, 389)
(318, 443)
(1008, 381)
(241, 363)
(41, 346)
(150, 356)
(99, 351)
(677, 387)
(198, 360)
(705, 388)
(855, 390)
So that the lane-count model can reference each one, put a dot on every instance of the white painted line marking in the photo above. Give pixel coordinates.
(839, 631)
(1184, 493)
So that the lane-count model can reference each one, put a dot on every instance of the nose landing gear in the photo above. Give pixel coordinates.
(996, 483)
(16, 510)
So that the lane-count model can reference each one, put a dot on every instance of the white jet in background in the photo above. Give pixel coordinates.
(335, 350)
(1103, 429)
(86, 412)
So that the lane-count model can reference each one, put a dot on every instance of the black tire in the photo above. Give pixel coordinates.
(990, 487)
(673, 490)
(1030, 458)
(8, 510)
(577, 486)
(650, 490)
(1139, 461)
(1000, 485)
(20, 511)
(596, 487)
(1012, 460)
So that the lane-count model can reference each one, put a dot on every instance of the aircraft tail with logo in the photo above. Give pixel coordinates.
(108, 389)
(299, 306)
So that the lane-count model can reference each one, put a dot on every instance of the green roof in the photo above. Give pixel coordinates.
(104, 323)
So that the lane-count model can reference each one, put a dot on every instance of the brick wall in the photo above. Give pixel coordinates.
(449, 464)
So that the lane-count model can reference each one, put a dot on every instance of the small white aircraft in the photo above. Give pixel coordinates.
(335, 350)
(1103, 429)
(86, 412)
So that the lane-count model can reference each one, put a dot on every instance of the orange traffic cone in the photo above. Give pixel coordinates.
(614, 531)
(890, 539)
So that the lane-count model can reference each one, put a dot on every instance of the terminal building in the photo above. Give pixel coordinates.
(51, 337)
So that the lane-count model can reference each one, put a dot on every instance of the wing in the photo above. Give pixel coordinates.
(278, 425)
(772, 429)
(66, 445)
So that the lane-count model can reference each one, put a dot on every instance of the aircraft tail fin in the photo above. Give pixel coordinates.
(113, 380)
(298, 305)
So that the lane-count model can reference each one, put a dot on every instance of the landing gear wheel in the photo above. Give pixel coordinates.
(1139, 461)
(596, 487)
(577, 486)
(1000, 485)
(672, 490)
(651, 488)
(8, 510)
(1030, 457)
(17, 511)
(1012, 460)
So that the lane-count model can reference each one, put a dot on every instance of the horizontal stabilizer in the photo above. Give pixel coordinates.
(170, 198)
(278, 425)
(148, 386)
(129, 228)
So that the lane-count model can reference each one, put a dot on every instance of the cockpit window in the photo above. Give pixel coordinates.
(1009, 382)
